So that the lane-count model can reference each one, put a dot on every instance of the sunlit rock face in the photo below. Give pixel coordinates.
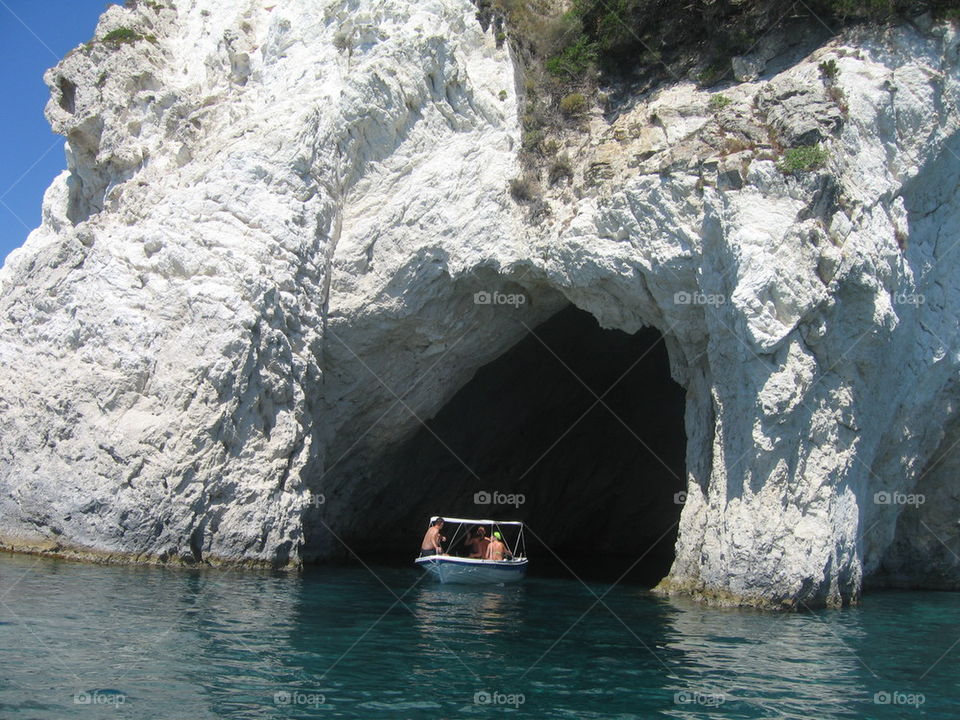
(260, 274)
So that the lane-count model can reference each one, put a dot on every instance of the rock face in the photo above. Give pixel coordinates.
(259, 273)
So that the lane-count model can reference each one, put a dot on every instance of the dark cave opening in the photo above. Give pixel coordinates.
(599, 478)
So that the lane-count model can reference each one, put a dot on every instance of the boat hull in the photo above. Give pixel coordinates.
(472, 571)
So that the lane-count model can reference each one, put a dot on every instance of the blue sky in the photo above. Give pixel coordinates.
(34, 35)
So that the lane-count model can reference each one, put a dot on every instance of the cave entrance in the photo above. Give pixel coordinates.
(595, 477)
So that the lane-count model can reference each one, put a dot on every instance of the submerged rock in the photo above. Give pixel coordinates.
(260, 273)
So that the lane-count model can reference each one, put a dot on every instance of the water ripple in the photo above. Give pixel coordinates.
(76, 640)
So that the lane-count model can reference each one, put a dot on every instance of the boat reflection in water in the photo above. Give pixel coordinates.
(444, 612)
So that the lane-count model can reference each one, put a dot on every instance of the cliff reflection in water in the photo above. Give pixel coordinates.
(775, 662)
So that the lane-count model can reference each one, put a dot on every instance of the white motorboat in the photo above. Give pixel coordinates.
(479, 571)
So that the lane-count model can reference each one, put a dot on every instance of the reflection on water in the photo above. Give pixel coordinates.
(88, 641)
(441, 610)
(795, 665)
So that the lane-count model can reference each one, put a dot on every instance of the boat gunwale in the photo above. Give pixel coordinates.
(476, 562)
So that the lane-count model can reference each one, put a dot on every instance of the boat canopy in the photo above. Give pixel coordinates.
(476, 522)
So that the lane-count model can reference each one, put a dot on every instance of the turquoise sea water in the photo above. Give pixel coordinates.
(83, 641)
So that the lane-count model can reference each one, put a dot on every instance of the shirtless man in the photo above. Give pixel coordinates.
(479, 543)
(432, 539)
(497, 549)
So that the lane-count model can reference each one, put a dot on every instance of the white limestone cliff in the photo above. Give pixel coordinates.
(274, 221)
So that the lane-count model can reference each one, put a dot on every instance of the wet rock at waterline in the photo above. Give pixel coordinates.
(285, 241)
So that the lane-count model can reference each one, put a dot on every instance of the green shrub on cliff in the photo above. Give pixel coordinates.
(524, 189)
(122, 35)
(574, 60)
(719, 102)
(573, 104)
(803, 159)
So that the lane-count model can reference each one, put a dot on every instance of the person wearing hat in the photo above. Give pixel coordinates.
(497, 549)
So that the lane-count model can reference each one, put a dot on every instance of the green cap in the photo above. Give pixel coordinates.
(497, 535)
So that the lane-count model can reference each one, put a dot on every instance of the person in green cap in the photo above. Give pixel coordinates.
(497, 549)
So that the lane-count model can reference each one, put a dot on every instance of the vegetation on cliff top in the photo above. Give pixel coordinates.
(124, 35)
(618, 37)
(568, 48)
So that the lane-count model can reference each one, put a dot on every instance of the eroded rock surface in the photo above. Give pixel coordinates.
(258, 275)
